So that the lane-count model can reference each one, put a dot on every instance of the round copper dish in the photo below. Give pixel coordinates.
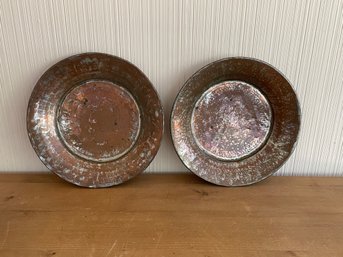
(235, 121)
(95, 120)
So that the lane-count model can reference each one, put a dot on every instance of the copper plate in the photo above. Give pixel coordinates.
(235, 121)
(95, 120)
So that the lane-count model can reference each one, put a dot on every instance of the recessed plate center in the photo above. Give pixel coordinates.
(231, 120)
(99, 121)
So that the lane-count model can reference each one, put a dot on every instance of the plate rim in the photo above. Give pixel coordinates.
(115, 59)
(244, 59)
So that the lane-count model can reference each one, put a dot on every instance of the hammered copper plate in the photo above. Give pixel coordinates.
(235, 121)
(95, 120)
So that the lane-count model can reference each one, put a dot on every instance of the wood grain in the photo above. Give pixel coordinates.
(171, 215)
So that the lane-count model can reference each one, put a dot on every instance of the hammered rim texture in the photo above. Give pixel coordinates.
(283, 133)
(50, 91)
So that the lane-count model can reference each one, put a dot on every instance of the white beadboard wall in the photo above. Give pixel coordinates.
(169, 40)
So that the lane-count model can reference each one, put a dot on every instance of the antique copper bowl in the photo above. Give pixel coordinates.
(95, 120)
(235, 121)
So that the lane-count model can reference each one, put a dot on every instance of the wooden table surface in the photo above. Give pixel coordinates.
(171, 215)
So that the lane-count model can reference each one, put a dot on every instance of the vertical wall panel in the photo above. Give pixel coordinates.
(170, 40)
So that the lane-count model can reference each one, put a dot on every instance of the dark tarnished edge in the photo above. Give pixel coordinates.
(243, 59)
(160, 111)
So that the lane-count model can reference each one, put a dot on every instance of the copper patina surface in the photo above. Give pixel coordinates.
(99, 121)
(231, 120)
(235, 121)
(95, 120)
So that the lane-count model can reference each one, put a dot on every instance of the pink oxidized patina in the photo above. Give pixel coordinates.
(235, 121)
(95, 120)
(231, 120)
